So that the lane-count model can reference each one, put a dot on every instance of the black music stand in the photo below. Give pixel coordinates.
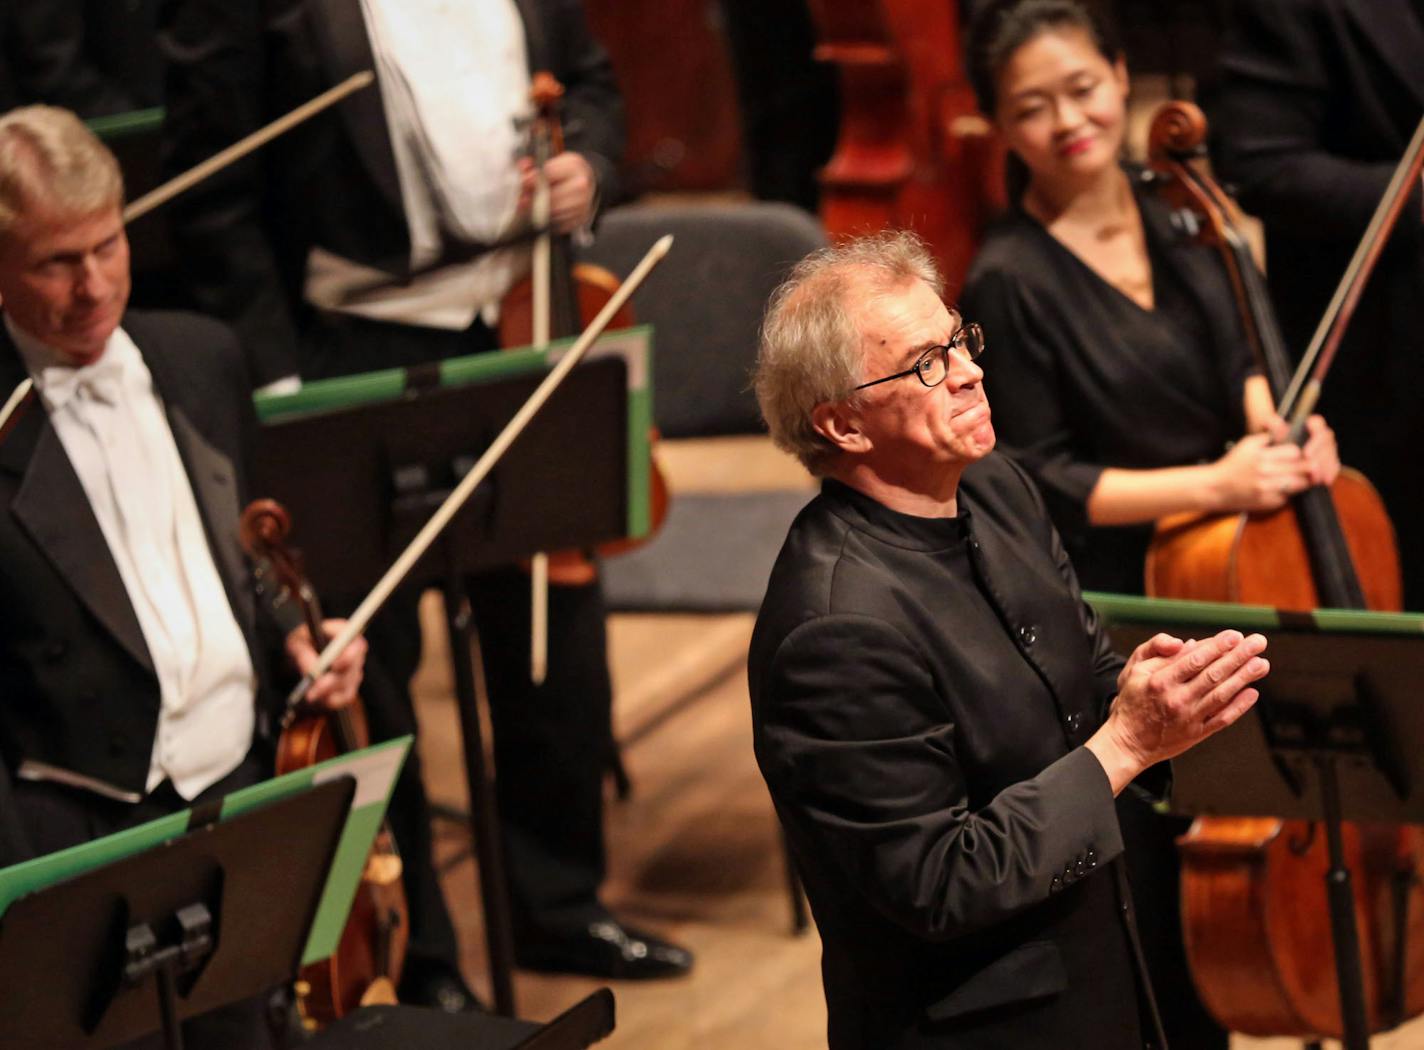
(172, 932)
(362, 480)
(1338, 734)
(588, 1021)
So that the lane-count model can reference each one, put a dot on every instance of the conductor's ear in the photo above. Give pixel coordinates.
(840, 424)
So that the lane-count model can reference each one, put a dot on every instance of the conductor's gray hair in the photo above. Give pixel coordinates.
(810, 350)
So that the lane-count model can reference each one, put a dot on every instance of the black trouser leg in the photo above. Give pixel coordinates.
(1154, 870)
(550, 746)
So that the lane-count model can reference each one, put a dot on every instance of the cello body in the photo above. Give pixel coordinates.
(1257, 559)
(1255, 915)
(1254, 912)
(1257, 924)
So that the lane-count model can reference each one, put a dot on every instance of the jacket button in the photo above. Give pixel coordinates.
(54, 650)
(1056, 884)
(1028, 635)
(1074, 721)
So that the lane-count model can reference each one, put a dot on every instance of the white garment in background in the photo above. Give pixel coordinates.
(454, 79)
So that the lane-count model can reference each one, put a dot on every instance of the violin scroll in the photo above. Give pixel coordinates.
(262, 531)
(264, 525)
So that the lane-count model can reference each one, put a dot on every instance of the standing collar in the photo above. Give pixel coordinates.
(893, 527)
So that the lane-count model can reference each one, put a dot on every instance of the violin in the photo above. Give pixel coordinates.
(1255, 918)
(367, 963)
(558, 300)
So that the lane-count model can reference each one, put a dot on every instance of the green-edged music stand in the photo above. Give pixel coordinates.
(113, 939)
(1338, 734)
(362, 462)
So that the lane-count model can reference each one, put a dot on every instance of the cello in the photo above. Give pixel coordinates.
(366, 965)
(1257, 930)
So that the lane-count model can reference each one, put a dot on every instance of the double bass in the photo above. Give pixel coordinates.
(913, 150)
(1257, 929)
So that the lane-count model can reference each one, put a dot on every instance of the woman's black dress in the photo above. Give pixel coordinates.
(1081, 378)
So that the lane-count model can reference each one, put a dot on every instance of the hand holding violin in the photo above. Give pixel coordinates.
(337, 687)
(572, 187)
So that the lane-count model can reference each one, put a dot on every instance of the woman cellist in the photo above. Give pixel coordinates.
(1126, 383)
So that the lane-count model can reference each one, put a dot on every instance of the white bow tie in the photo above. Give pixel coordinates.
(102, 381)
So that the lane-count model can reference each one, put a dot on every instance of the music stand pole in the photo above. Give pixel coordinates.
(484, 814)
(1340, 893)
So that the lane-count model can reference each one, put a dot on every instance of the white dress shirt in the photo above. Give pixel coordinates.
(454, 82)
(113, 427)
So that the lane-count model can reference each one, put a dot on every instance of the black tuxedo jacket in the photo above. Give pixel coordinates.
(77, 685)
(245, 234)
(921, 738)
(1316, 102)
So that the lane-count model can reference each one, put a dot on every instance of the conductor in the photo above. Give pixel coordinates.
(937, 713)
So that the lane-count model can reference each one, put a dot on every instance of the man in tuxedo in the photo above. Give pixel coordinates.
(938, 714)
(1314, 106)
(138, 668)
(401, 185)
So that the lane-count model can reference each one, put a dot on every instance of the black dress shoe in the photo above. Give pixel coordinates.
(607, 949)
(439, 990)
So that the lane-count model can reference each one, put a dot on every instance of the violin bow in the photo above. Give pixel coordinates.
(546, 93)
(214, 164)
(1304, 390)
(401, 567)
(11, 413)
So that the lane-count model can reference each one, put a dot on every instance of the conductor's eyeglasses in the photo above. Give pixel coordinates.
(932, 366)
